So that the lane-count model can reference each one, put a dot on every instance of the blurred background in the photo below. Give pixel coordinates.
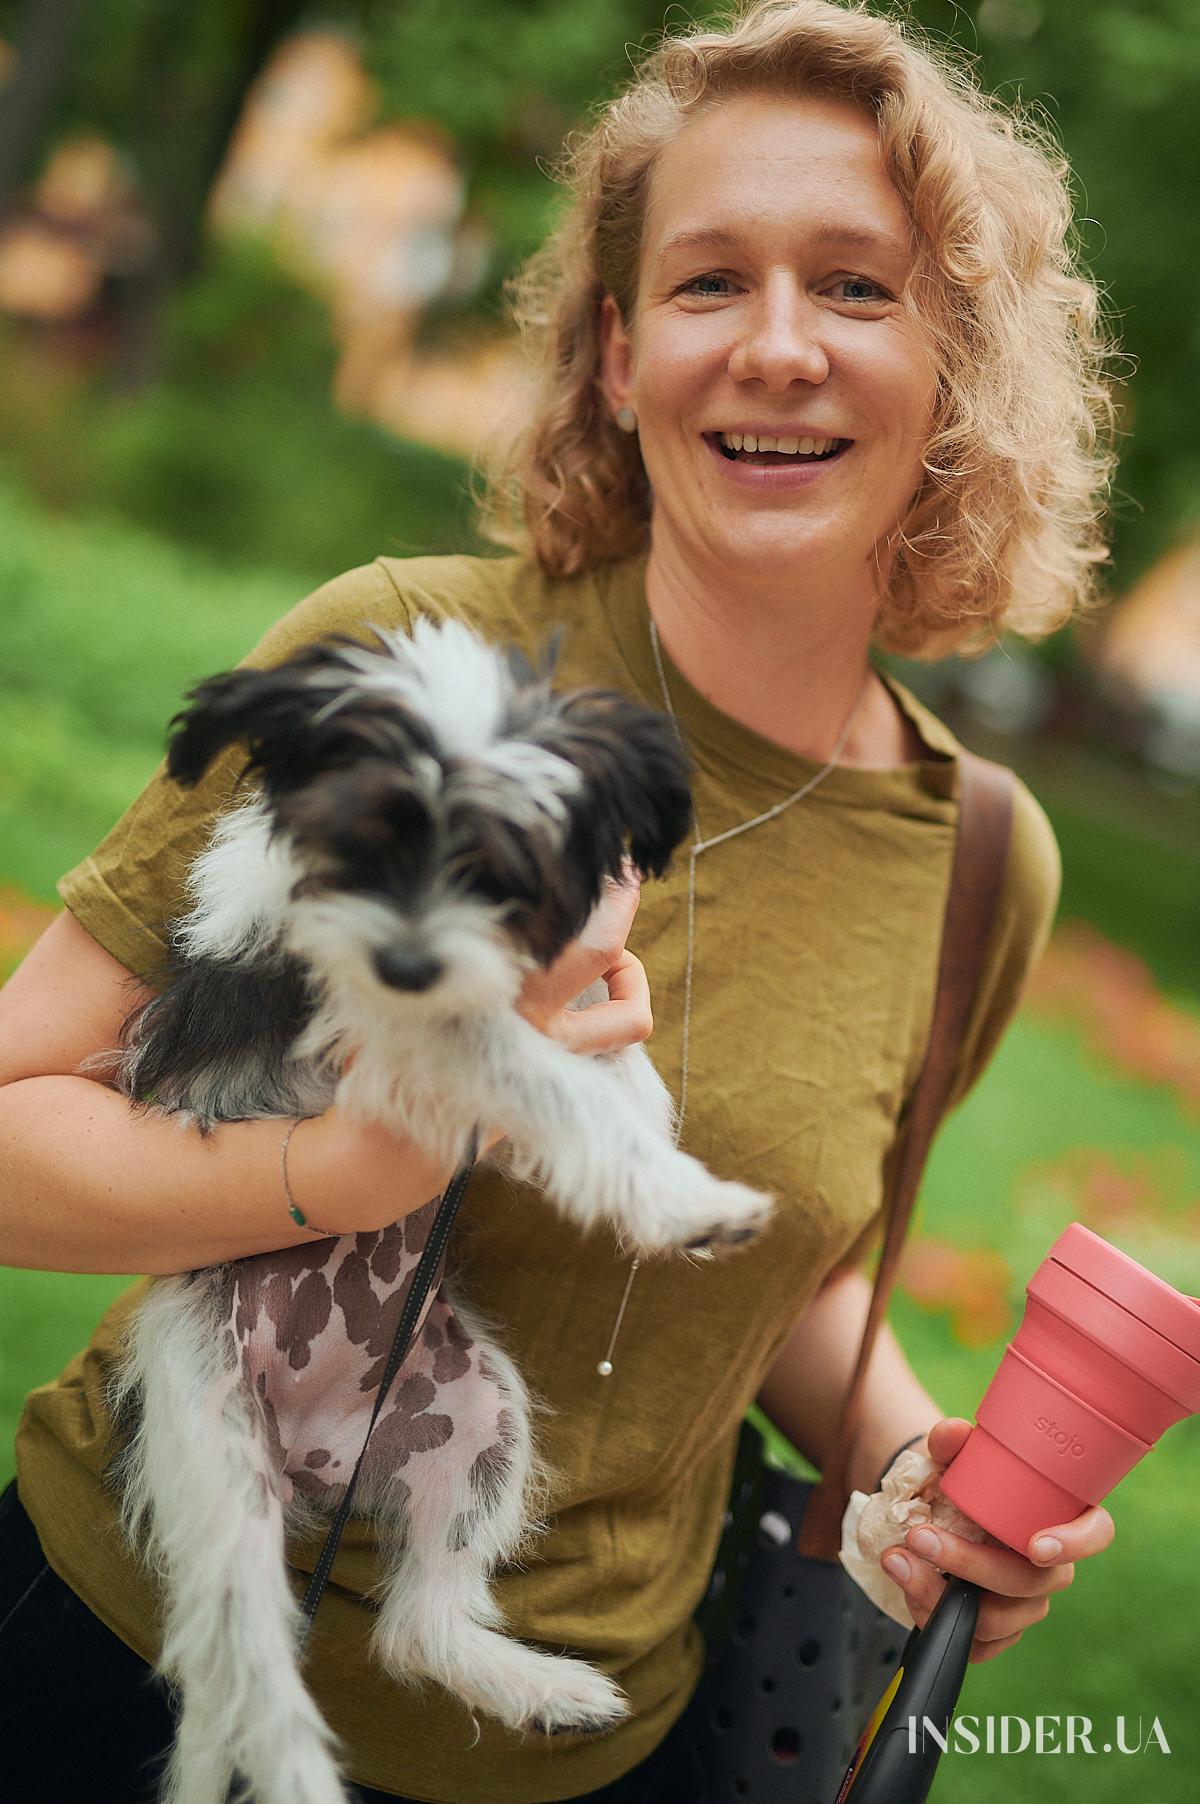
(251, 334)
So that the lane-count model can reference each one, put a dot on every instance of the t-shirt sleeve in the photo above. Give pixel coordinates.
(1028, 902)
(133, 885)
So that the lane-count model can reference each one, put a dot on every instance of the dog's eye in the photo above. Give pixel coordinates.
(488, 886)
(405, 815)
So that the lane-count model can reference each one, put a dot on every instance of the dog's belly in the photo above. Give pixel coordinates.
(313, 1327)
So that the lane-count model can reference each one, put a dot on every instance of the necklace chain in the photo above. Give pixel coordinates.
(700, 844)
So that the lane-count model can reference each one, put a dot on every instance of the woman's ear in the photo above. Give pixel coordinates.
(616, 357)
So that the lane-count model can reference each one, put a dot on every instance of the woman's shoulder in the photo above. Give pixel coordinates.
(1035, 864)
(1024, 919)
(505, 598)
(1034, 869)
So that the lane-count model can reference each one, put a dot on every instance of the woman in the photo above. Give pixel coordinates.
(815, 373)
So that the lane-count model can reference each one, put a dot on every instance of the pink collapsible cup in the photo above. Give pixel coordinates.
(1106, 1357)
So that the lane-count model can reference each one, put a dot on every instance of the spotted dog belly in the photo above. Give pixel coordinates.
(313, 1326)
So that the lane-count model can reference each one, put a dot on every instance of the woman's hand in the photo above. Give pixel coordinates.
(1016, 1590)
(599, 952)
(391, 1176)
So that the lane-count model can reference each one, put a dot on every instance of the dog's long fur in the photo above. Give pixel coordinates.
(430, 821)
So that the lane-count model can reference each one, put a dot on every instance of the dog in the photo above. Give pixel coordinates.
(426, 821)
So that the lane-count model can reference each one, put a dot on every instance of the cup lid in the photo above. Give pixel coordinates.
(1152, 1300)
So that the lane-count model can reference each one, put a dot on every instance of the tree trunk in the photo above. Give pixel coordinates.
(27, 99)
(190, 115)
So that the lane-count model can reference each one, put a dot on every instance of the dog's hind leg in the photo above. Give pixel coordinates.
(467, 1501)
(200, 1477)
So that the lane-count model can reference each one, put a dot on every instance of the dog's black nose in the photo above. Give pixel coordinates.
(404, 970)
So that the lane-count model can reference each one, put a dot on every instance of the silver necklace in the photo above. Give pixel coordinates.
(700, 844)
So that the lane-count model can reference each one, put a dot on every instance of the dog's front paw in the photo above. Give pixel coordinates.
(584, 1703)
(713, 1216)
(744, 1213)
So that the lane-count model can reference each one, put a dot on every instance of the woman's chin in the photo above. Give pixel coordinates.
(759, 546)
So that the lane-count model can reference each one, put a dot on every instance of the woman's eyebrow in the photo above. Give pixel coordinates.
(859, 238)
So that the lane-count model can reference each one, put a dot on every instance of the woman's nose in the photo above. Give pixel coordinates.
(781, 341)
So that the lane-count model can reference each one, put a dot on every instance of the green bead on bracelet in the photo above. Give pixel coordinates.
(293, 1208)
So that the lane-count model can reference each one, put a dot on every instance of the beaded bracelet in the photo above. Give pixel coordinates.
(886, 1469)
(294, 1210)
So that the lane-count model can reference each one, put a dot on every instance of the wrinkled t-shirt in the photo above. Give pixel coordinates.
(817, 942)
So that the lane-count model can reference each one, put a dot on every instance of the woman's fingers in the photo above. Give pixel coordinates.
(598, 952)
(1090, 1532)
(1015, 1590)
(607, 927)
(1000, 1613)
(1001, 1621)
(986, 1563)
(987, 1650)
(624, 1020)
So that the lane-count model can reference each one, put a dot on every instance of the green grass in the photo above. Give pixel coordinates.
(1130, 852)
(104, 625)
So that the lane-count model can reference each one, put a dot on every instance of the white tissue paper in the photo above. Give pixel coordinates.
(910, 1497)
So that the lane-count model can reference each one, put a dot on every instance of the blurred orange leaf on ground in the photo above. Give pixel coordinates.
(970, 1284)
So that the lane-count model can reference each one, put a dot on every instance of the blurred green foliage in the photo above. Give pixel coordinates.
(104, 627)
(241, 449)
(1117, 80)
(1119, 83)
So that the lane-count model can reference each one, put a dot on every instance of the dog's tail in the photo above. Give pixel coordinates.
(200, 1495)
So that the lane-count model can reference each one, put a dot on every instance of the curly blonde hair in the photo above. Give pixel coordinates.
(1004, 532)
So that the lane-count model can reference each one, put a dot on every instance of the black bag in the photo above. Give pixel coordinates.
(798, 1657)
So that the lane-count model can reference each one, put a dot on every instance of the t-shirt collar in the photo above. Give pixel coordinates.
(717, 741)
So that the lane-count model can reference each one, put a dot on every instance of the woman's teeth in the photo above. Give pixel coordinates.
(731, 442)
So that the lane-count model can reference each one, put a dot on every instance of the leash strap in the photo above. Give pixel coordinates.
(423, 1278)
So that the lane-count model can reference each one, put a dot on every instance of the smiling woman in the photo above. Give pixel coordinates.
(798, 334)
(951, 216)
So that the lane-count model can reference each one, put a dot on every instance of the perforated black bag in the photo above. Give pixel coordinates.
(798, 1656)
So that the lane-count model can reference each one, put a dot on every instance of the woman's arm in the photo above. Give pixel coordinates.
(88, 1183)
(803, 1391)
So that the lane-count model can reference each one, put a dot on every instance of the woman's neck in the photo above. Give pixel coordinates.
(792, 668)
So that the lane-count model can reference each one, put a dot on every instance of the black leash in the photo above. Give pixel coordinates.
(419, 1289)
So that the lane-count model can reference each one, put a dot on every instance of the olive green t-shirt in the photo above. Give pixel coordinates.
(817, 940)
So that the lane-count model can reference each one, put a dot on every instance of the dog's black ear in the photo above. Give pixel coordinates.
(264, 708)
(283, 715)
(636, 779)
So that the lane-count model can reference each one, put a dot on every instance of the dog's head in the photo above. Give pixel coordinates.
(439, 807)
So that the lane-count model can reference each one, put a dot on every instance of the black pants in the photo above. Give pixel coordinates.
(83, 1720)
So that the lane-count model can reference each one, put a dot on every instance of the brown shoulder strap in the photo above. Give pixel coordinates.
(976, 880)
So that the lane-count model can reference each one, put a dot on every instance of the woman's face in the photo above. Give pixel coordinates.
(774, 253)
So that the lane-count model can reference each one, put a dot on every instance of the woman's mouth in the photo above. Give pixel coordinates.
(775, 460)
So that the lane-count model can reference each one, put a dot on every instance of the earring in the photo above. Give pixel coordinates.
(626, 418)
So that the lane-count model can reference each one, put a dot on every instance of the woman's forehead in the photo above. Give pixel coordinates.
(766, 164)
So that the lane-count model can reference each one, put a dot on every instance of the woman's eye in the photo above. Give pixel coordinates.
(866, 290)
(693, 287)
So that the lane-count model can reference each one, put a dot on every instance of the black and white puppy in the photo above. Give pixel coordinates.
(429, 822)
